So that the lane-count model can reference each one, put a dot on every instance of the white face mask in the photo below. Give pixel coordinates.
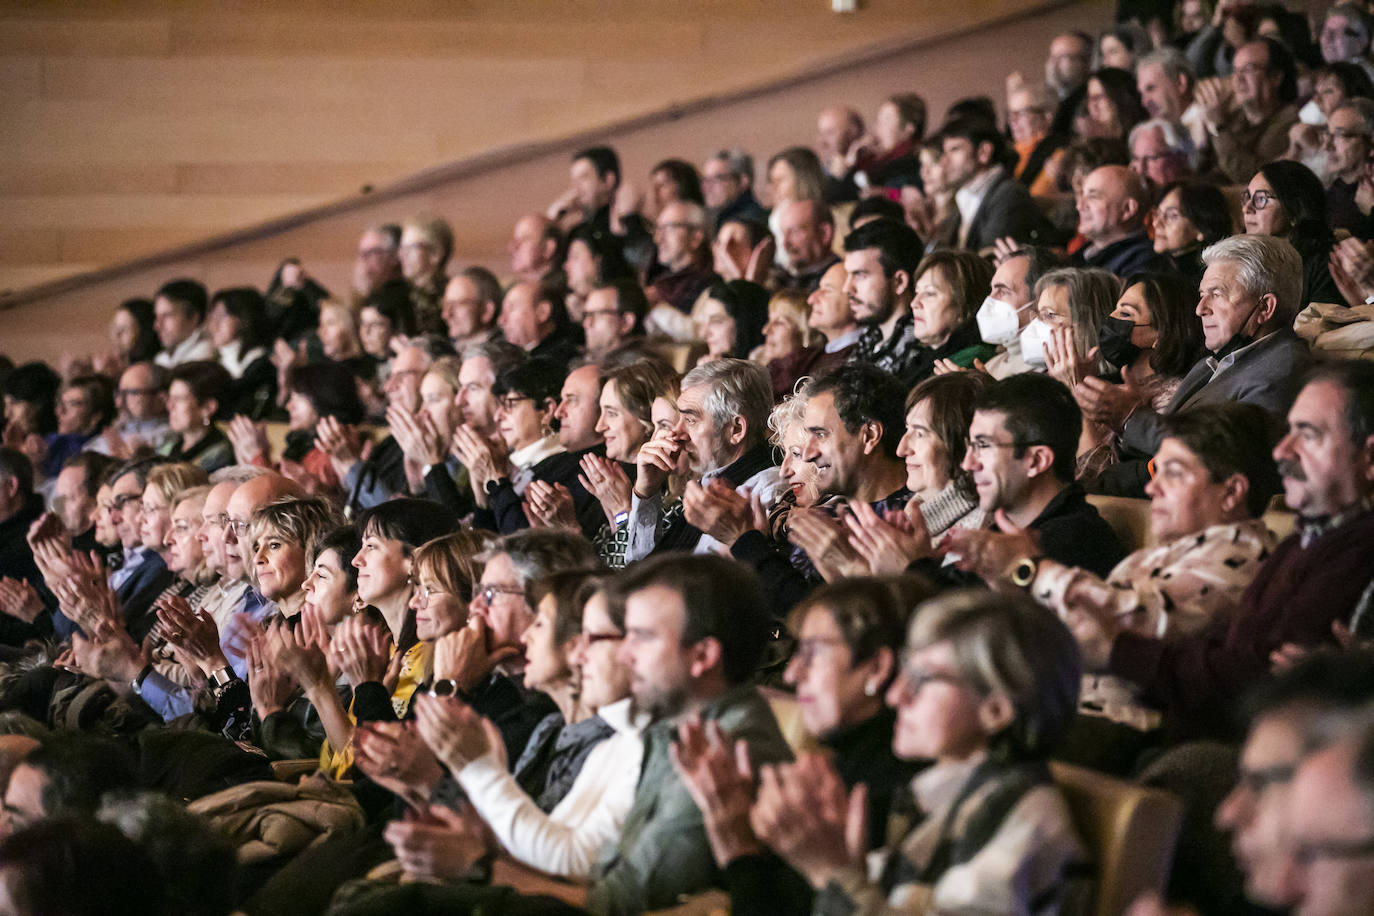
(1033, 340)
(997, 321)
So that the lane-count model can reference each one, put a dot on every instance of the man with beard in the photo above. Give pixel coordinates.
(807, 228)
(880, 259)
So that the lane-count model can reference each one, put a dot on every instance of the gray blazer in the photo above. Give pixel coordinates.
(1267, 373)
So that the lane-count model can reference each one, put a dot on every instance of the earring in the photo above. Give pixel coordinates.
(870, 689)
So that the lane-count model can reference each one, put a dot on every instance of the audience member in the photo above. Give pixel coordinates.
(613, 317)
(731, 317)
(682, 272)
(1166, 83)
(989, 203)
(1348, 142)
(1249, 116)
(471, 305)
(880, 262)
(727, 185)
(179, 319)
(832, 315)
(1112, 210)
(535, 250)
(1285, 200)
(1190, 217)
(1249, 299)
(198, 391)
(378, 259)
(806, 230)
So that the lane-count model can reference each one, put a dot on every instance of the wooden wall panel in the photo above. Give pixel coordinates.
(133, 128)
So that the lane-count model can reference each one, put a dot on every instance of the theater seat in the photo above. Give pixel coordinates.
(1130, 831)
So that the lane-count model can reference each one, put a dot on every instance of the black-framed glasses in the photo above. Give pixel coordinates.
(511, 401)
(119, 502)
(1259, 200)
(914, 679)
(979, 445)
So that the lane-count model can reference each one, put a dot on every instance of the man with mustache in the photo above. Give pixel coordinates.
(1317, 578)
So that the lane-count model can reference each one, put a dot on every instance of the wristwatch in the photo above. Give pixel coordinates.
(142, 676)
(1023, 573)
(223, 677)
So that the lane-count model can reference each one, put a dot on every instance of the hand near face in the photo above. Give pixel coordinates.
(1108, 404)
(463, 656)
(361, 651)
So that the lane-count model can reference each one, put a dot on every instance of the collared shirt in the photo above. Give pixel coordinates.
(1309, 529)
(195, 347)
(970, 197)
(525, 458)
(134, 557)
(844, 341)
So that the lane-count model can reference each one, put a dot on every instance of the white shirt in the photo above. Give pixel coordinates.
(193, 348)
(568, 840)
(970, 197)
(844, 340)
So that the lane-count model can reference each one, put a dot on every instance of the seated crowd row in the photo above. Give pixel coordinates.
(800, 627)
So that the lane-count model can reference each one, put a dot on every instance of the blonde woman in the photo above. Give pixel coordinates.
(790, 347)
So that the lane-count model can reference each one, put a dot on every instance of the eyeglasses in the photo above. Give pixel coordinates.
(239, 528)
(489, 592)
(1251, 70)
(1258, 779)
(1171, 215)
(1259, 200)
(510, 401)
(808, 649)
(424, 593)
(914, 679)
(1327, 135)
(591, 315)
(980, 445)
(119, 502)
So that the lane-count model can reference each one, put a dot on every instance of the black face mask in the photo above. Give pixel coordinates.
(1239, 339)
(1114, 342)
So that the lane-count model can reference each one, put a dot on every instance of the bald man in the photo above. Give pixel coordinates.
(806, 231)
(1111, 216)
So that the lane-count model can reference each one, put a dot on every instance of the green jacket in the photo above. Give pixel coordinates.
(663, 853)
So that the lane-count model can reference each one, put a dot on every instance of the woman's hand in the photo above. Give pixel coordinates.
(1061, 358)
(249, 440)
(826, 543)
(606, 480)
(550, 506)
(392, 755)
(455, 732)
(416, 435)
(19, 600)
(721, 512)
(440, 845)
(271, 688)
(341, 442)
(805, 815)
(656, 460)
(292, 654)
(361, 651)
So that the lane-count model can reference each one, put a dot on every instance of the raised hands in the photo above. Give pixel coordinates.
(455, 732)
(606, 480)
(392, 755)
(295, 655)
(891, 542)
(1061, 358)
(416, 435)
(826, 542)
(271, 688)
(84, 594)
(249, 440)
(481, 457)
(1215, 96)
(805, 815)
(192, 635)
(1107, 404)
(550, 505)
(721, 512)
(720, 779)
(1352, 267)
(438, 845)
(361, 651)
(341, 442)
(990, 555)
(19, 600)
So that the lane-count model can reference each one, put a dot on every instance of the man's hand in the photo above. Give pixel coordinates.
(193, 633)
(891, 543)
(464, 657)
(991, 555)
(656, 460)
(718, 510)
(826, 542)
(550, 505)
(1216, 98)
(1352, 267)
(720, 779)
(341, 442)
(249, 440)
(805, 815)
(18, 599)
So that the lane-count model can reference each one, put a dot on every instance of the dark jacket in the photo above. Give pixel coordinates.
(1007, 209)
(1125, 257)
